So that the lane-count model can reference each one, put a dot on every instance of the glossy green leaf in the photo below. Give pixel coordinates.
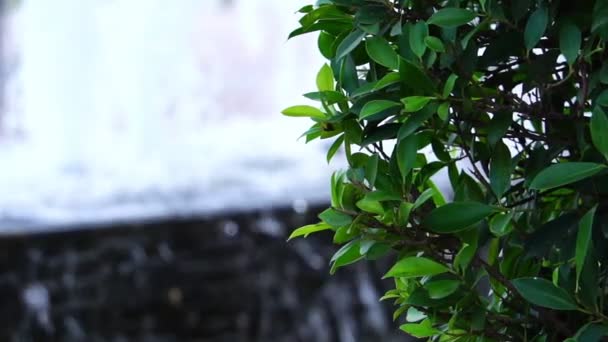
(443, 111)
(420, 330)
(407, 149)
(414, 121)
(600, 16)
(457, 216)
(498, 126)
(397, 29)
(599, 130)
(415, 103)
(418, 34)
(591, 332)
(561, 174)
(304, 111)
(382, 53)
(500, 224)
(449, 85)
(388, 79)
(425, 196)
(405, 209)
(543, 293)
(310, 229)
(383, 196)
(439, 289)
(602, 99)
(348, 254)
(371, 206)
(334, 148)
(583, 241)
(415, 267)
(470, 243)
(434, 44)
(500, 169)
(416, 78)
(306, 9)
(570, 39)
(371, 169)
(377, 106)
(604, 74)
(451, 17)
(325, 42)
(325, 79)
(329, 97)
(349, 43)
(335, 218)
(438, 197)
(536, 26)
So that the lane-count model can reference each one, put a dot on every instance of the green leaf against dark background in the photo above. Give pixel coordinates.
(451, 17)
(498, 126)
(407, 150)
(500, 169)
(309, 229)
(335, 218)
(441, 288)
(388, 79)
(415, 103)
(542, 292)
(382, 53)
(417, 35)
(420, 330)
(603, 74)
(415, 120)
(449, 85)
(500, 224)
(457, 216)
(591, 332)
(536, 26)
(565, 173)
(600, 16)
(599, 130)
(570, 39)
(583, 241)
(414, 267)
(334, 147)
(434, 44)
(602, 98)
(377, 106)
(348, 254)
(415, 78)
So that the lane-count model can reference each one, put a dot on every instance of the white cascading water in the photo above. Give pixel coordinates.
(130, 108)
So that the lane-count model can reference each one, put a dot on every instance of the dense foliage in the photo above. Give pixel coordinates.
(507, 100)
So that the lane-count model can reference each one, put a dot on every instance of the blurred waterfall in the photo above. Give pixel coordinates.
(131, 101)
(58, 69)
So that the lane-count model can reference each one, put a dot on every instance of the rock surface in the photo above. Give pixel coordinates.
(223, 278)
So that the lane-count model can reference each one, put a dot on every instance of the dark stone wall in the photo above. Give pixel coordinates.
(230, 278)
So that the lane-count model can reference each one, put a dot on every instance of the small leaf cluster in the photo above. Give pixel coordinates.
(505, 102)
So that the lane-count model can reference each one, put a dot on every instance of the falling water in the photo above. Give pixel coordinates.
(136, 106)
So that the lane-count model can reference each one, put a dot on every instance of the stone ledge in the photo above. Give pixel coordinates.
(221, 278)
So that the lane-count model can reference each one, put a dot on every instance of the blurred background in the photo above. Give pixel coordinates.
(148, 181)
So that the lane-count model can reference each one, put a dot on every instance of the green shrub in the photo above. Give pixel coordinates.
(506, 99)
